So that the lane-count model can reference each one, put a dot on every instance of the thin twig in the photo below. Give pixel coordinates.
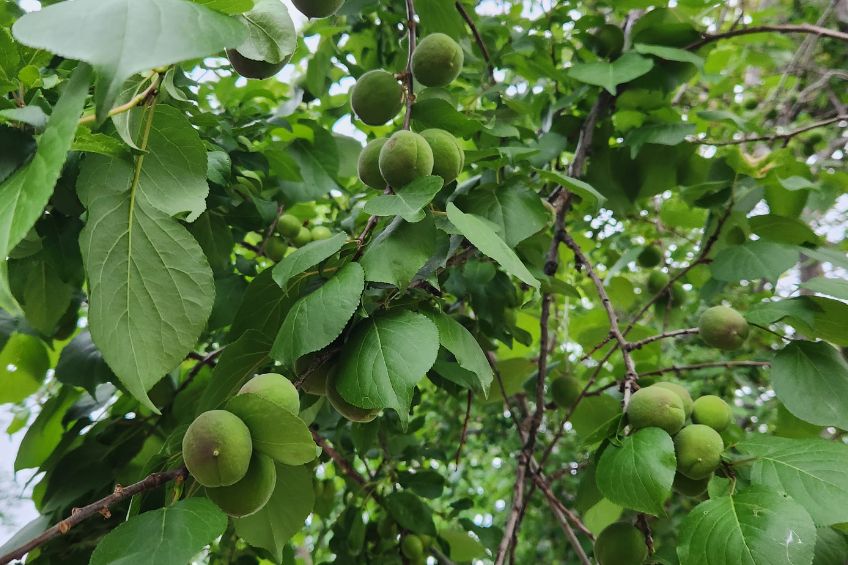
(774, 136)
(634, 345)
(463, 436)
(410, 83)
(774, 28)
(477, 38)
(101, 507)
(135, 101)
(711, 365)
(340, 461)
(270, 231)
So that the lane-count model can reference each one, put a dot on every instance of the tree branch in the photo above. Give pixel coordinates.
(410, 83)
(340, 461)
(100, 507)
(633, 345)
(775, 136)
(775, 28)
(463, 436)
(477, 38)
(696, 366)
(135, 101)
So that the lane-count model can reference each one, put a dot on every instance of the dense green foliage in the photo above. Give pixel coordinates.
(549, 269)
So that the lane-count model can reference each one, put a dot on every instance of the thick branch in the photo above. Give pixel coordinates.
(774, 28)
(100, 507)
(711, 365)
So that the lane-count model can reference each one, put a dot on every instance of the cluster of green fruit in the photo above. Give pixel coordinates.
(319, 379)
(218, 450)
(259, 69)
(377, 97)
(412, 547)
(295, 233)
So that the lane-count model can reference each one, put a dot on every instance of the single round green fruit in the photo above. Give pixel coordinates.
(275, 388)
(377, 97)
(657, 281)
(680, 391)
(289, 225)
(698, 449)
(565, 389)
(405, 157)
(368, 165)
(723, 327)
(656, 407)
(217, 448)
(320, 232)
(250, 68)
(251, 493)
(275, 249)
(691, 487)
(712, 411)
(620, 544)
(437, 60)
(448, 156)
(649, 257)
(345, 408)
(317, 8)
(412, 547)
(303, 237)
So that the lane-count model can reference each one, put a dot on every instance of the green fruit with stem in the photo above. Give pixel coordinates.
(405, 157)
(651, 256)
(289, 225)
(303, 237)
(250, 68)
(723, 328)
(368, 165)
(656, 407)
(698, 449)
(565, 389)
(620, 544)
(680, 391)
(275, 388)
(320, 232)
(412, 547)
(317, 8)
(448, 156)
(437, 60)
(217, 448)
(377, 97)
(275, 249)
(712, 411)
(251, 493)
(691, 487)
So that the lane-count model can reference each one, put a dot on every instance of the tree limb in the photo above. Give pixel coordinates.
(774, 136)
(774, 28)
(696, 366)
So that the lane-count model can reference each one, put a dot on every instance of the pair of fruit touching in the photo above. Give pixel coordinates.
(258, 69)
(291, 228)
(377, 97)
(412, 547)
(218, 451)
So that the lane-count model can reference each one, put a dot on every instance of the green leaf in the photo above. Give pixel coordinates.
(781, 229)
(319, 317)
(469, 355)
(441, 16)
(754, 527)
(32, 115)
(215, 238)
(812, 471)
(400, 252)
(240, 360)
(81, 364)
(670, 54)
(577, 186)
(317, 163)
(24, 194)
(753, 260)
(486, 240)
(227, 6)
(406, 202)
(283, 515)
(792, 310)
(658, 134)
(23, 365)
(439, 113)
(44, 296)
(123, 37)
(638, 473)
(831, 547)
(424, 482)
(463, 547)
(307, 257)
(516, 210)
(411, 513)
(168, 536)
(263, 307)
(379, 367)
(811, 379)
(130, 248)
(609, 75)
(275, 431)
(837, 288)
(271, 36)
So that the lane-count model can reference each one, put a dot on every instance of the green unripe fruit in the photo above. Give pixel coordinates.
(368, 165)
(303, 237)
(698, 449)
(250, 68)
(609, 40)
(712, 411)
(412, 547)
(386, 528)
(437, 60)
(448, 156)
(345, 408)
(691, 487)
(320, 232)
(723, 327)
(377, 97)
(217, 448)
(317, 8)
(251, 493)
(275, 388)
(275, 249)
(620, 544)
(405, 157)
(289, 225)
(565, 390)
(656, 407)
(680, 391)
(657, 281)
(650, 257)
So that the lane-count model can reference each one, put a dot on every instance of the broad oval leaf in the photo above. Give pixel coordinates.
(609, 75)
(812, 471)
(515, 209)
(276, 432)
(81, 364)
(306, 257)
(411, 512)
(23, 366)
(401, 251)
(753, 260)
(168, 536)
(408, 201)
(755, 527)
(638, 474)
(271, 36)
(469, 355)
(239, 361)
